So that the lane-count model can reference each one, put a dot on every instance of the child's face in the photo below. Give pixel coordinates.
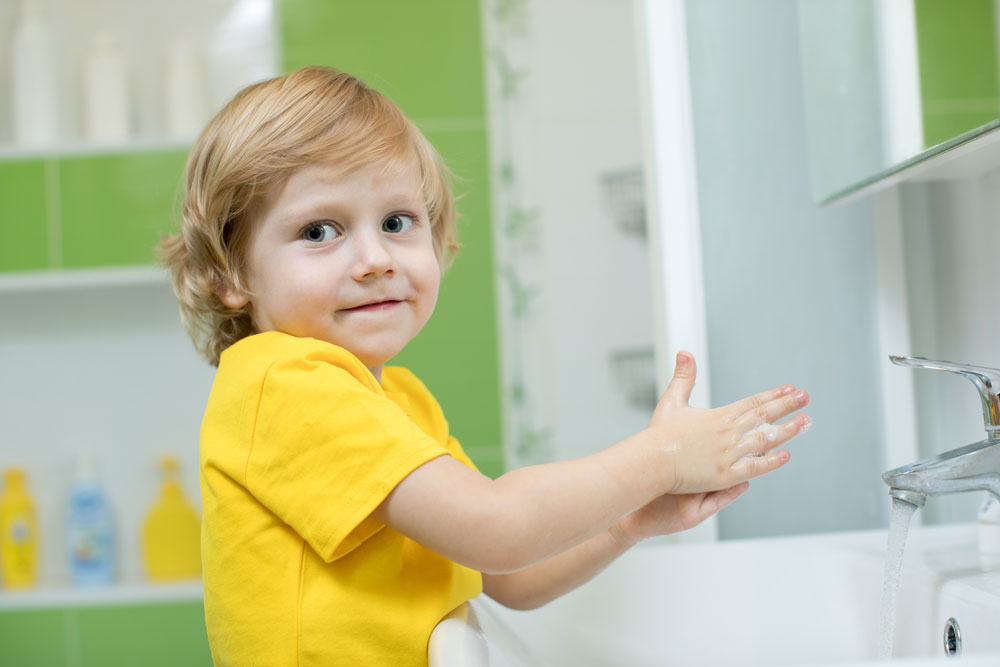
(348, 259)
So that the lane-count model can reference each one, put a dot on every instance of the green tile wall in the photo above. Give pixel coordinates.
(956, 47)
(87, 211)
(427, 57)
(115, 209)
(24, 237)
(152, 635)
(424, 55)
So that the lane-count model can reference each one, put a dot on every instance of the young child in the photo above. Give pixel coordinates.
(342, 521)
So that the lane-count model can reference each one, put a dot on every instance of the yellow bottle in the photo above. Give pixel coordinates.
(171, 533)
(18, 532)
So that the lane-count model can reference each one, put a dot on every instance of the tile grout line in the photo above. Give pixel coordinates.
(53, 214)
(72, 636)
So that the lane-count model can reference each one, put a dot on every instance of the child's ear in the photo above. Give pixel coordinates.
(233, 297)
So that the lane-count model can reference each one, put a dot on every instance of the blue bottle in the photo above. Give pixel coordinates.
(90, 530)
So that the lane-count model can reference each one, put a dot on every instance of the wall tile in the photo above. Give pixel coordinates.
(23, 231)
(33, 638)
(114, 209)
(426, 55)
(164, 635)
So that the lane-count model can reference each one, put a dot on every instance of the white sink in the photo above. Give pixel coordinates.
(811, 600)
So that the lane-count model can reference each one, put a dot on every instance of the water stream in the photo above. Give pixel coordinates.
(899, 526)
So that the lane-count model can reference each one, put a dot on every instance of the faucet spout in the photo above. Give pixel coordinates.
(975, 467)
(910, 497)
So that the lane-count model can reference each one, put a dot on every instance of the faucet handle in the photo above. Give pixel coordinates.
(987, 381)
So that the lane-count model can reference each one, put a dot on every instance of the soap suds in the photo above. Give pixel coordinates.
(769, 430)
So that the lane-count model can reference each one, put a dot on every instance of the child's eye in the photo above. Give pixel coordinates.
(397, 223)
(320, 232)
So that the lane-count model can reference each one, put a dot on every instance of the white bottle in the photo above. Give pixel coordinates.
(34, 100)
(185, 91)
(105, 92)
(989, 533)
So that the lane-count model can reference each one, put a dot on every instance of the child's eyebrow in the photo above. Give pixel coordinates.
(324, 206)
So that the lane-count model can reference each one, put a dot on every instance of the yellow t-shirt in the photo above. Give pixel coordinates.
(299, 445)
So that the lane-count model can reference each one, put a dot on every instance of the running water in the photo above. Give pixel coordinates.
(899, 526)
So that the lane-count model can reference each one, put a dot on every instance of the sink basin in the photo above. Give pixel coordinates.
(806, 600)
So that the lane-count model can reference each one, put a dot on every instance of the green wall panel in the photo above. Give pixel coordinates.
(165, 635)
(956, 47)
(114, 209)
(34, 638)
(24, 234)
(152, 635)
(425, 55)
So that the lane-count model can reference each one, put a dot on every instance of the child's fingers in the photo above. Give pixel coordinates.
(766, 437)
(749, 467)
(772, 411)
(757, 401)
(679, 390)
(716, 500)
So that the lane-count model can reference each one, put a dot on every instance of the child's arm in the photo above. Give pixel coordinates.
(531, 514)
(544, 582)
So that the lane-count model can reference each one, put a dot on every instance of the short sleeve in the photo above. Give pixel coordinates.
(326, 450)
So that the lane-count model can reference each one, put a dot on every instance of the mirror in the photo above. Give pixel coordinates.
(890, 83)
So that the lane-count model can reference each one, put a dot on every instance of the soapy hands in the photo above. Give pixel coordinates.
(721, 448)
(715, 452)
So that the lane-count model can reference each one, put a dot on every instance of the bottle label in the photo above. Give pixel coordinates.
(90, 547)
(20, 531)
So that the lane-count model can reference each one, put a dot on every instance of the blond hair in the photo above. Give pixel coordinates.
(314, 114)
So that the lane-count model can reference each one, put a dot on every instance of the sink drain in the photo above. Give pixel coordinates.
(952, 639)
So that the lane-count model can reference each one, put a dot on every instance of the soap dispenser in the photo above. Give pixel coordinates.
(18, 532)
(171, 533)
(90, 528)
(33, 88)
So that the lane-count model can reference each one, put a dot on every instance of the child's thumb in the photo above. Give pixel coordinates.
(681, 384)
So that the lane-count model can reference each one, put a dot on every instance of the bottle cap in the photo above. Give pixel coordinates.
(13, 478)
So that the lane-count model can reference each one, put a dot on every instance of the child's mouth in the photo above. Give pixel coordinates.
(372, 307)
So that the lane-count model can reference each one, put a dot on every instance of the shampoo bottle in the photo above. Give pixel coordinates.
(105, 92)
(185, 91)
(34, 105)
(171, 533)
(18, 532)
(90, 529)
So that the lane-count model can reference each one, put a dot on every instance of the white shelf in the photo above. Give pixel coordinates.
(107, 596)
(50, 280)
(80, 149)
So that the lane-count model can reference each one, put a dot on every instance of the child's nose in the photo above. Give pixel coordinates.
(372, 256)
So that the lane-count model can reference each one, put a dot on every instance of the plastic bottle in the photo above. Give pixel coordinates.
(185, 91)
(105, 92)
(34, 100)
(90, 529)
(18, 532)
(171, 533)
(989, 533)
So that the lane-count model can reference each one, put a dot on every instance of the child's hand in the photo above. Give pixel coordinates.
(674, 513)
(720, 448)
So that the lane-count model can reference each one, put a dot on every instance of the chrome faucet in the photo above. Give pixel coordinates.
(975, 467)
